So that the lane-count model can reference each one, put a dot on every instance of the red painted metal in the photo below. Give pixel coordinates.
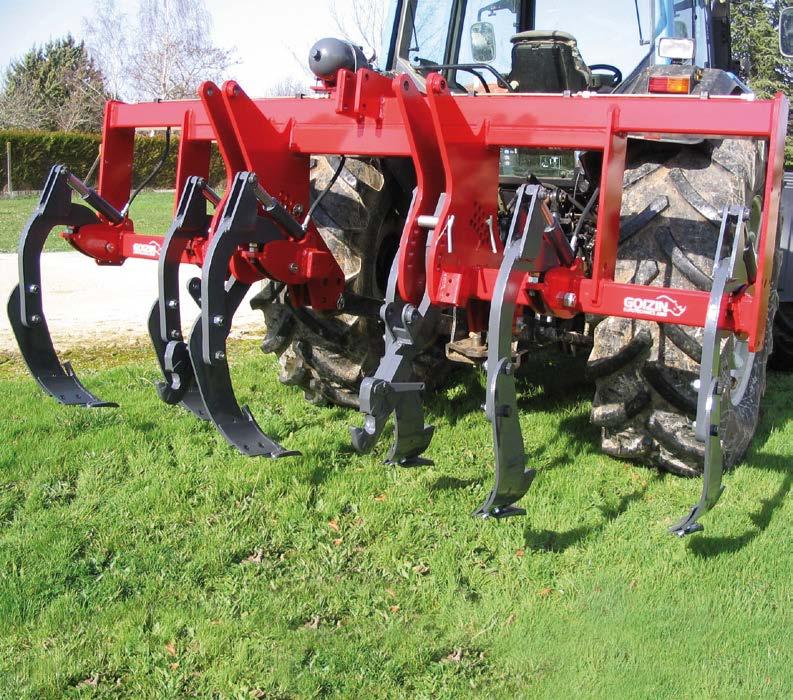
(193, 159)
(461, 245)
(428, 163)
(454, 143)
(284, 175)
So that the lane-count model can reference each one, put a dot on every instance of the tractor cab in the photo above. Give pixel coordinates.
(562, 46)
(547, 46)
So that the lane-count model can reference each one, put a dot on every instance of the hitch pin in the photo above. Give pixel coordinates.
(431, 222)
(492, 235)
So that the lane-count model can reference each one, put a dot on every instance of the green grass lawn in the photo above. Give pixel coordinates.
(140, 556)
(152, 212)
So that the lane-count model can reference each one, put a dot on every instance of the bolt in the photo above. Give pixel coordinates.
(294, 268)
(35, 319)
(569, 300)
(218, 320)
(109, 247)
(340, 302)
(33, 288)
(173, 304)
(697, 384)
(176, 335)
(297, 210)
(220, 355)
(210, 92)
(409, 314)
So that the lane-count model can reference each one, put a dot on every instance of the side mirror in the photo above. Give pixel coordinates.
(786, 32)
(483, 42)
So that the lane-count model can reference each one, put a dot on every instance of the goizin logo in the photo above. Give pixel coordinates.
(146, 250)
(660, 307)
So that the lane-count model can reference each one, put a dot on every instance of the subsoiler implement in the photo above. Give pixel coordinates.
(462, 250)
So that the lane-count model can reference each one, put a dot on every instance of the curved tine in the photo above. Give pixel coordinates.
(712, 487)
(375, 404)
(236, 424)
(25, 308)
(709, 411)
(170, 391)
(512, 478)
(393, 389)
(165, 330)
(374, 396)
(191, 221)
(239, 225)
(708, 425)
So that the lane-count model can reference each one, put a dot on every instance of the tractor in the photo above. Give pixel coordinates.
(507, 176)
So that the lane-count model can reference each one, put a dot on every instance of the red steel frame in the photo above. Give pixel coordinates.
(454, 142)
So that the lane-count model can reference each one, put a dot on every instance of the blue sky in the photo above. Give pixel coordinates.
(261, 32)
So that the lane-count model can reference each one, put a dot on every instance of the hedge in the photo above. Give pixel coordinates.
(33, 153)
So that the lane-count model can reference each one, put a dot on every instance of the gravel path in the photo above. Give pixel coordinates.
(85, 303)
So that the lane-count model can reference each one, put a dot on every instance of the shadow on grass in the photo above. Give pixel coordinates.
(707, 547)
(545, 381)
(778, 412)
(574, 432)
(450, 483)
(558, 542)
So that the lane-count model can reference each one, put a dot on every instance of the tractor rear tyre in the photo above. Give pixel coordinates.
(781, 359)
(645, 372)
(360, 219)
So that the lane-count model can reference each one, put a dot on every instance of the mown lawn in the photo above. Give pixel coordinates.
(152, 212)
(141, 557)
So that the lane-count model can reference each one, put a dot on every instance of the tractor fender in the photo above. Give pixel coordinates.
(785, 284)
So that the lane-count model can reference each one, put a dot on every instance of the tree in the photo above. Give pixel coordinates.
(361, 22)
(171, 55)
(56, 87)
(288, 87)
(755, 37)
(106, 35)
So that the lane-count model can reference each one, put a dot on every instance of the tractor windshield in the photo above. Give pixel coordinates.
(611, 32)
(619, 33)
